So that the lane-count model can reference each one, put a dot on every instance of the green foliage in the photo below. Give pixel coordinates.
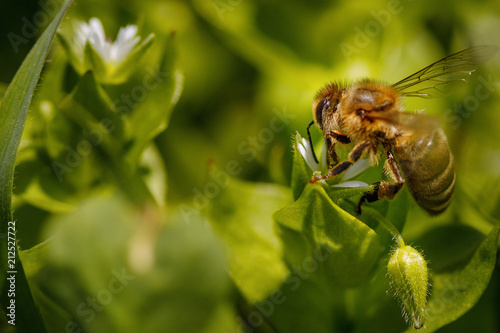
(455, 292)
(241, 215)
(314, 224)
(13, 110)
(106, 263)
(243, 238)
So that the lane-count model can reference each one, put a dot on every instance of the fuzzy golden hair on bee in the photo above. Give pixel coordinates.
(363, 106)
(327, 89)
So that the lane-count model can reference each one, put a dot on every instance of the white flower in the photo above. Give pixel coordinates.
(110, 52)
(352, 183)
(305, 149)
(88, 48)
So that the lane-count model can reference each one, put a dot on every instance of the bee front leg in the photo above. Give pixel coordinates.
(384, 188)
(340, 137)
(332, 138)
(331, 155)
(354, 155)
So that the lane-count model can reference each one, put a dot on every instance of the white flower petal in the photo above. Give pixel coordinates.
(302, 150)
(126, 33)
(95, 35)
(355, 169)
(110, 52)
(96, 26)
(120, 51)
(124, 43)
(352, 183)
(305, 143)
(308, 155)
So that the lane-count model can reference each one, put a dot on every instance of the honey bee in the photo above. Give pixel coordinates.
(370, 114)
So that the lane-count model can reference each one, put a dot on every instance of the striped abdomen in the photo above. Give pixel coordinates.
(428, 169)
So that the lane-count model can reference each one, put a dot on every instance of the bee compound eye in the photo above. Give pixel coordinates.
(322, 105)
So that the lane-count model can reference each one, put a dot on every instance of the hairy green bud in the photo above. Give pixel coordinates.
(407, 270)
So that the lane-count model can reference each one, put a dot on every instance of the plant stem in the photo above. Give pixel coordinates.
(391, 229)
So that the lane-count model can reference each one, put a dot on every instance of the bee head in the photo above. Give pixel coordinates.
(325, 104)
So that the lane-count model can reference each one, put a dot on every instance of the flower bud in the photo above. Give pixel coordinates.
(408, 274)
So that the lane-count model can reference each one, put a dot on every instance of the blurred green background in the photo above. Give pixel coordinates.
(251, 70)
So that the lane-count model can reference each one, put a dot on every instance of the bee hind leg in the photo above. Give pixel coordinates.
(384, 188)
(380, 190)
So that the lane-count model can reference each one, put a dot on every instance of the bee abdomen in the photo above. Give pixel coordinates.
(429, 171)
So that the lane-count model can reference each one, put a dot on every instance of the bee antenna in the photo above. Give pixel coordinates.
(310, 141)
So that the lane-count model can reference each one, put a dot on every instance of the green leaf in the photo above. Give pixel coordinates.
(336, 193)
(162, 87)
(116, 269)
(155, 174)
(3, 89)
(60, 132)
(57, 184)
(42, 189)
(298, 305)
(13, 112)
(314, 224)
(94, 63)
(73, 58)
(34, 260)
(102, 129)
(59, 166)
(88, 105)
(454, 293)
(371, 304)
(461, 243)
(241, 215)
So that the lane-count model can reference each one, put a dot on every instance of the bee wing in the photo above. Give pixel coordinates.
(408, 123)
(435, 80)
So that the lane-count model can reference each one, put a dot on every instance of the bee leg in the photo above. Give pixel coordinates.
(354, 155)
(380, 190)
(332, 137)
(384, 188)
(340, 137)
(331, 158)
(369, 196)
(392, 167)
(310, 141)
